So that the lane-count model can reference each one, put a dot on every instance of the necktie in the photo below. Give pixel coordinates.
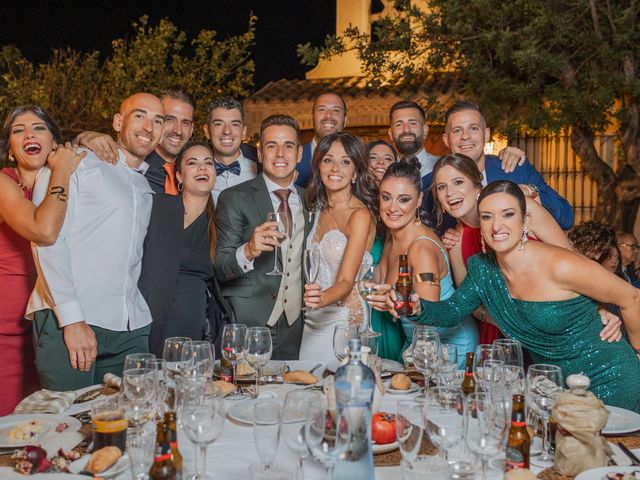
(234, 168)
(170, 181)
(283, 195)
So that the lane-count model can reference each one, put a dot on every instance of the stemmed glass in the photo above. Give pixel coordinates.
(311, 265)
(294, 415)
(159, 370)
(327, 438)
(267, 416)
(137, 360)
(138, 395)
(426, 348)
(544, 385)
(341, 336)
(483, 434)
(203, 419)
(282, 224)
(172, 355)
(233, 342)
(511, 351)
(448, 364)
(408, 432)
(486, 365)
(258, 350)
(141, 443)
(369, 282)
(443, 417)
(198, 359)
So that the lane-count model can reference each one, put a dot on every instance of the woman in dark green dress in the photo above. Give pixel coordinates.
(545, 296)
(178, 250)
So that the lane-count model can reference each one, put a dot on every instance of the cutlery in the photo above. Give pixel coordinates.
(635, 461)
(315, 367)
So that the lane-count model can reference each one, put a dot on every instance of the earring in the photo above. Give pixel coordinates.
(180, 187)
(525, 238)
(484, 247)
(353, 181)
(11, 158)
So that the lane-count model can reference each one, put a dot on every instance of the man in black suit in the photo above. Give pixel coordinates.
(245, 242)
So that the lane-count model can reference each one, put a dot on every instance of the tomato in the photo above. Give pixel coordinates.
(383, 428)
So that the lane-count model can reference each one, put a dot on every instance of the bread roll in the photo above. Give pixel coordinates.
(400, 382)
(520, 474)
(244, 369)
(103, 459)
(300, 376)
(225, 387)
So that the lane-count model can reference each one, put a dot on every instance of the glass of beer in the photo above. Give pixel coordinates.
(109, 424)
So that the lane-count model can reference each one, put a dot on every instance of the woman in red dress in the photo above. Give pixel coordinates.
(27, 141)
(456, 185)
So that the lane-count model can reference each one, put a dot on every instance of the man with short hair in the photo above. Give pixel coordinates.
(159, 166)
(245, 242)
(329, 114)
(628, 245)
(87, 310)
(225, 129)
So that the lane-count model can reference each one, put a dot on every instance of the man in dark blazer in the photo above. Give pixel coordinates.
(246, 243)
(329, 113)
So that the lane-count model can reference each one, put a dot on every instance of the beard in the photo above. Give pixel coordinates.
(409, 146)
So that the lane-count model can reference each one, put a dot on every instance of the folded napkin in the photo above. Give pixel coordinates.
(46, 401)
(112, 380)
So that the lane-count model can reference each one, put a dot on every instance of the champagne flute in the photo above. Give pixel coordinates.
(544, 385)
(408, 432)
(233, 342)
(267, 416)
(484, 436)
(258, 350)
(311, 265)
(198, 359)
(368, 282)
(282, 224)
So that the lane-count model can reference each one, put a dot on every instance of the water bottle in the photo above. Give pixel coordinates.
(354, 387)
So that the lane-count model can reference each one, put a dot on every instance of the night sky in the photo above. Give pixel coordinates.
(38, 27)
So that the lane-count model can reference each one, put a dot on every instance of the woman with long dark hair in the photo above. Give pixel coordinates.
(344, 197)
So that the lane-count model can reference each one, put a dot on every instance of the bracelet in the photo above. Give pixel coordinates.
(58, 191)
(535, 191)
(431, 278)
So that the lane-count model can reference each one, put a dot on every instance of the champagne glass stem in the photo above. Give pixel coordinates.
(196, 461)
(546, 455)
(235, 380)
(257, 380)
(202, 468)
(301, 468)
(275, 259)
(367, 321)
(484, 468)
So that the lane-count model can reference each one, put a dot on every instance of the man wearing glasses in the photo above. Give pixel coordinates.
(628, 245)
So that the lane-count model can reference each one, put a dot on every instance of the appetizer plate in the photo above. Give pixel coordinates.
(48, 428)
(413, 388)
(621, 421)
(120, 466)
(599, 473)
(386, 448)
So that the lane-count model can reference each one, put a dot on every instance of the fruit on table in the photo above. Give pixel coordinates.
(383, 428)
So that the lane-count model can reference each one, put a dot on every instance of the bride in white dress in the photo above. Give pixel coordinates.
(344, 196)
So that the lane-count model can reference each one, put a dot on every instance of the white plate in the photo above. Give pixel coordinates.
(49, 424)
(621, 421)
(120, 466)
(413, 388)
(386, 448)
(599, 473)
(242, 411)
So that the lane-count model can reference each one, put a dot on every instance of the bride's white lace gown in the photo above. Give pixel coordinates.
(317, 336)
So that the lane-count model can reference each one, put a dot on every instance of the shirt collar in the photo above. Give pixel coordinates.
(273, 186)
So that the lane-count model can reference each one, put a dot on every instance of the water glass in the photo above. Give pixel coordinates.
(444, 418)
(141, 443)
(258, 350)
(544, 386)
(484, 436)
(267, 415)
(408, 432)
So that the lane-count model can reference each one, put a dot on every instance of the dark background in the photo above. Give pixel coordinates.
(38, 27)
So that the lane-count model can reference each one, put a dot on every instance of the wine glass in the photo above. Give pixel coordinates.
(369, 281)
(294, 415)
(511, 351)
(544, 385)
(258, 350)
(159, 370)
(426, 347)
(203, 419)
(484, 436)
(141, 443)
(327, 438)
(408, 431)
(233, 341)
(138, 395)
(137, 360)
(198, 359)
(514, 380)
(172, 354)
(282, 224)
(448, 364)
(341, 336)
(266, 429)
(443, 417)
(486, 353)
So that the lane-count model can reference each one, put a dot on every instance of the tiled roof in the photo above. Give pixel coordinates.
(350, 87)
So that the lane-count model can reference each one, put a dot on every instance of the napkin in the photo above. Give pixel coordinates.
(46, 401)
(112, 380)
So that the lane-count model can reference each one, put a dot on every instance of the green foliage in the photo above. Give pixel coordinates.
(83, 93)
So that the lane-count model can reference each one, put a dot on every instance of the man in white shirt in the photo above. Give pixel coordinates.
(225, 129)
(87, 310)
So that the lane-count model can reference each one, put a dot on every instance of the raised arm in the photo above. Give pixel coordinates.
(544, 226)
(103, 145)
(43, 223)
(452, 311)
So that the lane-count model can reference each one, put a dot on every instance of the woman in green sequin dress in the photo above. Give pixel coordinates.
(545, 297)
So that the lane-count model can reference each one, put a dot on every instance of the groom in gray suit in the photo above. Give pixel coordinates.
(246, 245)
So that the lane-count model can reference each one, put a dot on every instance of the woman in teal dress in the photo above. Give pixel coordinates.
(545, 296)
(400, 200)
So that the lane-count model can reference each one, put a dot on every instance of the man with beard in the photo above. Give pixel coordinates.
(329, 113)
(235, 161)
(159, 166)
(87, 311)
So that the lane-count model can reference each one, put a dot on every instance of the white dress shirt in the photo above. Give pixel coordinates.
(295, 203)
(91, 272)
(248, 170)
(427, 161)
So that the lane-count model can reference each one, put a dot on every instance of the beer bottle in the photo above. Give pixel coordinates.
(519, 440)
(404, 287)
(176, 456)
(468, 383)
(163, 468)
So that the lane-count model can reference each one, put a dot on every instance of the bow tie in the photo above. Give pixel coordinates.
(234, 168)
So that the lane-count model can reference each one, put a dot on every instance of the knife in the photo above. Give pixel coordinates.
(634, 459)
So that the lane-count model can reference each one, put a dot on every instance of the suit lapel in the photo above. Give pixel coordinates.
(308, 215)
(261, 199)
